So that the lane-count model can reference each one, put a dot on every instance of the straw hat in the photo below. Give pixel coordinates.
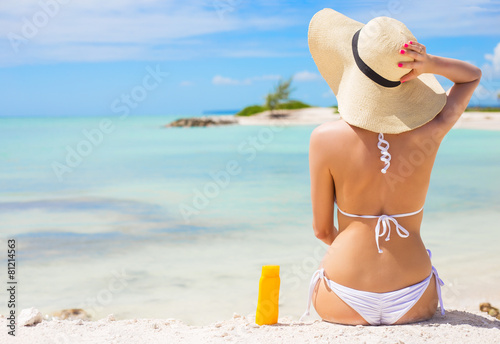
(360, 64)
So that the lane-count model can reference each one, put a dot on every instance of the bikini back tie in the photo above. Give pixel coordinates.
(384, 224)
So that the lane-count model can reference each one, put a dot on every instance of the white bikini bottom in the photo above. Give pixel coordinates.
(378, 308)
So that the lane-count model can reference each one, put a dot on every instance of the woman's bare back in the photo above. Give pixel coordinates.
(361, 188)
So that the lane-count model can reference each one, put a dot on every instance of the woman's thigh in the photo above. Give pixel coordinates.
(332, 308)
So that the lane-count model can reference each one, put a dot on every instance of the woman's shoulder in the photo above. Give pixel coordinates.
(325, 138)
(329, 128)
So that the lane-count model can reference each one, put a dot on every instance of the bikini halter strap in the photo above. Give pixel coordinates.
(383, 145)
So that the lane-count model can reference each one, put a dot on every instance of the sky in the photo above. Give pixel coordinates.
(186, 57)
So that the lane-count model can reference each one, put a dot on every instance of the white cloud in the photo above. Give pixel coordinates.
(221, 80)
(489, 88)
(306, 76)
(153, 30)
(443, 18)
(486, 94)
(94, 30)
(494, 66)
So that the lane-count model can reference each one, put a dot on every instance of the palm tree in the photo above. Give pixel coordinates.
(272, 101)
(281, 93)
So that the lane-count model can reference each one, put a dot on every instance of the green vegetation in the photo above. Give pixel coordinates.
(251, 110)
(483, 109)
(291, 105)
(277, 100)
(281, 93)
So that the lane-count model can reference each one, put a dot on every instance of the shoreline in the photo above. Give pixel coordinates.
(319, 115)
(456, 326)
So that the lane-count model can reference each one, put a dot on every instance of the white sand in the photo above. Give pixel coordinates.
(479, 120)
(318, 115)
(313, 115)
(454, 327)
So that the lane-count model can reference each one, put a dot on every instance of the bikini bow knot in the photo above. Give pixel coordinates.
(319, 274)
(384, 223)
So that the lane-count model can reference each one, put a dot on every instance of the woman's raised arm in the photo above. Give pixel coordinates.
(465, 76)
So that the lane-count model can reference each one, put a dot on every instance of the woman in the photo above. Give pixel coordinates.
(375, 164)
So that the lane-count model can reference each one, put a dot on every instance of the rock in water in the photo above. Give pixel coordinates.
(29, 316)
(203, 121)
(72, 314)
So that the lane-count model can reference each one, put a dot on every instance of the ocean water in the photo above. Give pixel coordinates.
(127, 217)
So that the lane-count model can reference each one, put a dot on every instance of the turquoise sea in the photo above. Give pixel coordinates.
(127, 217)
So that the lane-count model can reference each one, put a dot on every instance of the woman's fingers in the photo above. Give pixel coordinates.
(409, 64)
(407, 77)
(413, 65)
(411, 53)
(417, 52)
(417, 47)
(413, 49)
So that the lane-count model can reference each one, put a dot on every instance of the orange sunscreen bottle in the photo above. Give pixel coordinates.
(269, 291)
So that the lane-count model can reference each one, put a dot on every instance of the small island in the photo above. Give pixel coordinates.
(278, 109)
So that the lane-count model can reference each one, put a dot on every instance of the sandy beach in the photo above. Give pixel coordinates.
(454, 327)
(318, 115)
(466, 284)
(479, 120)
(313, 115)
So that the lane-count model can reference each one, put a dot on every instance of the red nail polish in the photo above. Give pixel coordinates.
(411, 42)
(406, 45)
(402, 51)
(400, 65)
(403, 82)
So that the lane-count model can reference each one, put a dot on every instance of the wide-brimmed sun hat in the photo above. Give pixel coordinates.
(360, 64)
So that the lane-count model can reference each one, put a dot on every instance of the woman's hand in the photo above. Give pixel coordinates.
(422, 61)
(464, 75)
